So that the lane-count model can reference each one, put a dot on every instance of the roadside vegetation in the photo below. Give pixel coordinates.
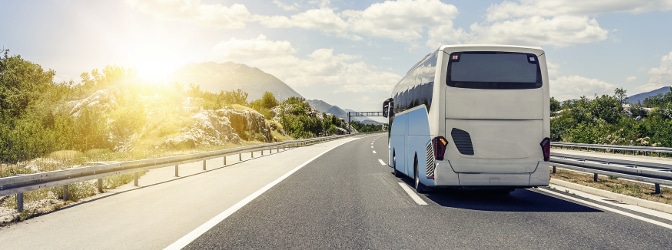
(610, 120)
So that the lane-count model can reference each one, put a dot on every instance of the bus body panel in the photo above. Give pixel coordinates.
(445, 176)
(397, 143)
(409, 140)
(499, 104)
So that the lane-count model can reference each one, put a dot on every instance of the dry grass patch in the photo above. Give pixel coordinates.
(619, 186)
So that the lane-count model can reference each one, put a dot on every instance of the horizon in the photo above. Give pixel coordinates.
(347, 53)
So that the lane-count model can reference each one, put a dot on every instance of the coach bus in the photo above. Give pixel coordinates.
(472, 116)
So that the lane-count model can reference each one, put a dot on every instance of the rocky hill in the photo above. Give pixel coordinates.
(229, 76)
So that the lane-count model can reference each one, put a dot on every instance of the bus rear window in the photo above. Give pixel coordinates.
(494, 70)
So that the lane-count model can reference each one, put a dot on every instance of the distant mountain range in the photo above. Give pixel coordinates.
(638, 98)
(229, 76)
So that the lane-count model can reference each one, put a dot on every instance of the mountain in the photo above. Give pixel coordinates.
(320, 105)
(229, 76)
(324, 107)
(641, 96)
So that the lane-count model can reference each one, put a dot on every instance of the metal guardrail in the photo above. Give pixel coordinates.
(29, 182)
(649, 172)
(614, 148)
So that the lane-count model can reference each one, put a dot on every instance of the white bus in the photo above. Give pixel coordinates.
(472, 116)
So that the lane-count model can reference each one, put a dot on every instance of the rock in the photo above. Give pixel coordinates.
(221, 126)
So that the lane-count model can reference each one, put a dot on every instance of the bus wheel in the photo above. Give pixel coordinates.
(419, 187)
(394, 165)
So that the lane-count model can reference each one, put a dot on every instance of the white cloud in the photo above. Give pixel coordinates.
(284, 6)
(233, 17)
(403, 20)
(557, 23)
(253, 48)
(572, 87)
(631, 78)
(660, 76)
(324, 19)
(557, 31)
(529, 8)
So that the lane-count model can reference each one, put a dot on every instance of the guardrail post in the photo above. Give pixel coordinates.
(177, 171)
(240, 156)
(595, 177)
(19, 202)
(204, 165)
(262, 152)
(554, 169)
(224, 160)
(100, 185)
(135, 179)
(657, 187)
(251, 154)
(65, 192)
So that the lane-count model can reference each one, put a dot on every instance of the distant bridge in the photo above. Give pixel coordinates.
(361, 114)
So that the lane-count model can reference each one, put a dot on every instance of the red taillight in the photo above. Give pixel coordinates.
(439, 143)
(546, 148)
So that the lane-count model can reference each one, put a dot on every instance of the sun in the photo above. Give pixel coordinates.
(155, 71)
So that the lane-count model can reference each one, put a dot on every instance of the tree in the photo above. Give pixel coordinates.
(265, 104)
(619, 93)
(21, 83)
(236, 97)
(555, 105)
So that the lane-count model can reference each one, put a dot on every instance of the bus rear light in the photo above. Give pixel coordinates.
(439, 143)
(546, 148)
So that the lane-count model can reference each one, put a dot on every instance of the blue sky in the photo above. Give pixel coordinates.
(347, 53)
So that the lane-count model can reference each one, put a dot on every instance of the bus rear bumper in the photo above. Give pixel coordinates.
(444, 175)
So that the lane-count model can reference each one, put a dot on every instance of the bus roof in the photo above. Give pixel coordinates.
(488, 47)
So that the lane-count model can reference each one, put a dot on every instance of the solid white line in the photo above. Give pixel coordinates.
(412, 194)
(374, 151)
(191, 236)
(605, 208)
(382, 162)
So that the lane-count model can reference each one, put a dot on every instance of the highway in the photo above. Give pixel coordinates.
(338, 194)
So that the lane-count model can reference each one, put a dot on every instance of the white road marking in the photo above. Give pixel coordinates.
(605, 208)
(412, 194)
(193, 235)
(371, 146)
(382, 162)
(374, 151)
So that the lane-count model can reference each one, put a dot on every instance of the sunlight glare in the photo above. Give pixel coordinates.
(155, 72)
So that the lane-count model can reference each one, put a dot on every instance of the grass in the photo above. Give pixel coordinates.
(619, 186)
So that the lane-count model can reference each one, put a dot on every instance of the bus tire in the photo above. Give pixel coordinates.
(394, 165)
(419, 187)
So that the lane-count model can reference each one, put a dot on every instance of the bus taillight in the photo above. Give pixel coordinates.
(439, 144)
(546, 148)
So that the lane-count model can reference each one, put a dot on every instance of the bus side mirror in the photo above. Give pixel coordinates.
(387, 104)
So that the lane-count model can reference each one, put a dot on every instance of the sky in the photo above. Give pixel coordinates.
(348, 53)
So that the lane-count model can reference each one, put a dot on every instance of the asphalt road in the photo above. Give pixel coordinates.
(332, 195)
(347, 199)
